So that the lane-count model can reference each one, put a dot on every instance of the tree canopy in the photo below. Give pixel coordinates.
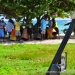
(34, 8)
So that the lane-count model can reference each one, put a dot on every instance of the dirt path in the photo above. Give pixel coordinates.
(48, 41)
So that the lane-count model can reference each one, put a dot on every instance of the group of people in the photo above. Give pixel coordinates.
(45, 29)
(50, 29)
(12, 28)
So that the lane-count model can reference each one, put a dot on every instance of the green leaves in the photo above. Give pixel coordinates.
(34, 8)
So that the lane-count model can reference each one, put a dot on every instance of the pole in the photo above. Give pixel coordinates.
(62, 46)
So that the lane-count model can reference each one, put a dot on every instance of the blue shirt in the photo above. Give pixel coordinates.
(43, 24)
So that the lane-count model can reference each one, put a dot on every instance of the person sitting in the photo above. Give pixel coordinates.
(51, 32)
(54, 23)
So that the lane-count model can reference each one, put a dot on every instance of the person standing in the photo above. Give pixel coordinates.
(43, 28)
(2, 25)
(48, 24)
(10, 26)
(17, 26)
(30, 31)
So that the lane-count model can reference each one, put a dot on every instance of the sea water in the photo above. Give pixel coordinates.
(62, 26)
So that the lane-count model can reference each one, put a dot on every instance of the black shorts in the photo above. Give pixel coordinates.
(54, 33)
(29, 31)
(57, 30)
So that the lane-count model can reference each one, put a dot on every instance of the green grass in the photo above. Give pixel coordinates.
(33, 59)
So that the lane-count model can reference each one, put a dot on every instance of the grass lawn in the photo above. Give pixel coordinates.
(33, 59)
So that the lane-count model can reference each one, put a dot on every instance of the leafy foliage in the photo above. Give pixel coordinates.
(34, 8)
